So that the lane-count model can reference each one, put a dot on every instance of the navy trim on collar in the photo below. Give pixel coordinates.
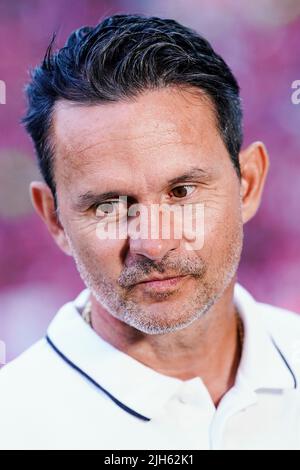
(90, 379)
(285, 361)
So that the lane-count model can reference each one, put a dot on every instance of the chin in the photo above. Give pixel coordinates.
(160, 323)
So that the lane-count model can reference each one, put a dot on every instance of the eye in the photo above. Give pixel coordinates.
(111, 209)
(183, 191)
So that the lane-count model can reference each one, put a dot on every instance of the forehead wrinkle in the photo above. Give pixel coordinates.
(183, 129)
(89, 159)
(94, 160)
(155, 128)
(138, 135)
(122, 139)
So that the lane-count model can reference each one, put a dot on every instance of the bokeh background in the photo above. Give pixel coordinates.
(260, 40)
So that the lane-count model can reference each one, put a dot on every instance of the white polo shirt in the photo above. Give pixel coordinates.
(76, 391)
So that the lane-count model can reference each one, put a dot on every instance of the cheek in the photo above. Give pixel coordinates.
(100, 255)
(222, 228)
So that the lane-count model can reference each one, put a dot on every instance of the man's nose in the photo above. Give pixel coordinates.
(152, 236)
(152, 249)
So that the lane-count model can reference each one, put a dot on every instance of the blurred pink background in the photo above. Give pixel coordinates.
(259, 40)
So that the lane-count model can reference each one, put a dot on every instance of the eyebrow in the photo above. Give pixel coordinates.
(89, 198)
(193, 173)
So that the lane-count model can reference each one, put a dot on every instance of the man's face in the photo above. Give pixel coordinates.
(137, 149)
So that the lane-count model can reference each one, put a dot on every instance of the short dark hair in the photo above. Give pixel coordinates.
(119, 58)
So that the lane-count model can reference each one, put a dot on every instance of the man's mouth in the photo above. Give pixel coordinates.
(161, 284)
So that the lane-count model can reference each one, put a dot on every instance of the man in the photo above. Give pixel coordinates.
(163, 349)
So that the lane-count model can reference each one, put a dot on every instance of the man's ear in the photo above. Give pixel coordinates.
(254, 164)
(43, 202)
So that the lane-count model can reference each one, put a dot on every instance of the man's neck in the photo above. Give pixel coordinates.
(209, 348)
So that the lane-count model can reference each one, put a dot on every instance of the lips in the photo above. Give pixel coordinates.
(153, 279)
(161, 284)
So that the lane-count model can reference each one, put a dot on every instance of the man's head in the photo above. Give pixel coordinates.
(143, 108)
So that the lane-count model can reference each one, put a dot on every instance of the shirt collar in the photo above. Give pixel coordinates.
(264, 365)
(130, 382)
(144, 390)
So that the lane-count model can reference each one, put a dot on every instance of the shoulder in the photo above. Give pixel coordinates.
(32, 378)
(38, 396)
(281, 322)
(284, 327)
(40, 360)
(27, 380)
(26, 365)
